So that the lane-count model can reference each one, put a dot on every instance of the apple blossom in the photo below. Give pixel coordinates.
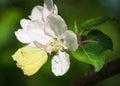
(48, 31)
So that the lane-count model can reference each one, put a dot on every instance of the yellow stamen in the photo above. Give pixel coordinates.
(55, 45)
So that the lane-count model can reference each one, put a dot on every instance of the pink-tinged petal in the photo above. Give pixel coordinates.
(57, 25)
(24, 23)
(22, 36)
(60, 63)
(48, 8)
(37, 13)
(70, 40)
(48, 4)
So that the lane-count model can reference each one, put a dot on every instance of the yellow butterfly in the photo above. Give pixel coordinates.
(30, 59)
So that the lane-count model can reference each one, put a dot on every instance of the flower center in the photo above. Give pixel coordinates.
(55, 45)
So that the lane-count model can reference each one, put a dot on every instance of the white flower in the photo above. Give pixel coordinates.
(48, 31)
(52, 37)
(63, 39)
(38, 20)
(41, 12)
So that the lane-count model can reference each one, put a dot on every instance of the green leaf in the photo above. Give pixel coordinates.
(94, 22)
(91, 53)
(101, 38)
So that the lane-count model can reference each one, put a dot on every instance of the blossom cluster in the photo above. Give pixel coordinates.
(46, 30)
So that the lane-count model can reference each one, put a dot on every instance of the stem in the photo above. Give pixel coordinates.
(79, 36)
(75, 26)
(91, 77)
(85, 41)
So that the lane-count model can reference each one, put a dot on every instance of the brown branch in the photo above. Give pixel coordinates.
(90, 78)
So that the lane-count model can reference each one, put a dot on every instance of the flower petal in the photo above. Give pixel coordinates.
(57, 25)
(55, 9)
(24, 23)
(36, 44)
(60, 63)
(70, 40)
(48, 8)
(37, 13)
(48, 4)
(36, 32)
(22, 36)
(30, 59)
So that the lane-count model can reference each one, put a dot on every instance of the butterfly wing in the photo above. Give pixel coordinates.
(30, 59)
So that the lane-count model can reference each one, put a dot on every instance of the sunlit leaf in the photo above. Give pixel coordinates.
(91, 53)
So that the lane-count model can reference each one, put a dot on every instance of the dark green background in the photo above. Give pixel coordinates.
(11, 11)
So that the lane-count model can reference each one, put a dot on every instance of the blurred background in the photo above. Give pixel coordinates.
(11, 11)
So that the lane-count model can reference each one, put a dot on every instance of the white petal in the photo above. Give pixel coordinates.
(70, 40)
(48, 8)
(37, 13)
(57, 25)
(55, 9)
(36, 44)
(49, 31)
(36, 32)
(33, 32)
(48, 4)
(60, 63)
(22, 36)
(24, 23)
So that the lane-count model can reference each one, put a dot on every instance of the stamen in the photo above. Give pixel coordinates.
(55, 45)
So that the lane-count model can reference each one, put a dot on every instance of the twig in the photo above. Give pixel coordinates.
(90, 78)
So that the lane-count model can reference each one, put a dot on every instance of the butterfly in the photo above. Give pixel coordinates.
(30, 59)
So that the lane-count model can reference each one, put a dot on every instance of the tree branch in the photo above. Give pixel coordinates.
(90, 78)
